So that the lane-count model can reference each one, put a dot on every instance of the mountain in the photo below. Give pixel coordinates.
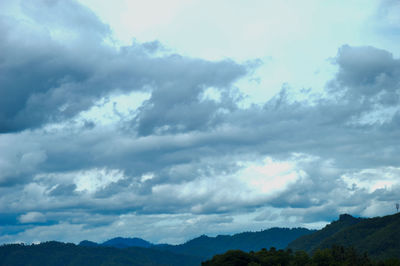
(345, 238)
(87, 243)
(206, 247)
(60, 254)
(120, 242)
(311, 242)
(379, 236)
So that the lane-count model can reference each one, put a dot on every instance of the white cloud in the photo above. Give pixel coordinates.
(373, 179)
(95, 179)
(114, 108)
(269, 176)
(32, 217)
(212, 94)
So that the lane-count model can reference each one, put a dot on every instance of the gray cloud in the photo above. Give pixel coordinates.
(368, 71)
(180, 157)
(68, 17)
(49, 76)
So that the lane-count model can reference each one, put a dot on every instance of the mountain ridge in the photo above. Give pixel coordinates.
(205, 246)
(63, 254)
(378, 236)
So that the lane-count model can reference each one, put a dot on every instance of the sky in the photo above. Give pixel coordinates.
(166, 120)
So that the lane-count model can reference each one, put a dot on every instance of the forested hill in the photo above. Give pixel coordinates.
(311, 242)
(60, 254)
(206, 247)
(119, 242)
(125, 251)
(379, 236)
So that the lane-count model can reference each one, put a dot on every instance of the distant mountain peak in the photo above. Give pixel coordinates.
(87, 243)
(346, 217)
(123, 242)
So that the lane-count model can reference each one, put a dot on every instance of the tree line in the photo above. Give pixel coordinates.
(334, 256)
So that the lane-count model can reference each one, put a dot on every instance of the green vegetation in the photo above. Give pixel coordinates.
(348, 241)
(311, 242)
(206, 247)
(61, 254)
(379, 236)
(335, 256)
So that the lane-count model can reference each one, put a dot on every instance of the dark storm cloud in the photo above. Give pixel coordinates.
(61, 65)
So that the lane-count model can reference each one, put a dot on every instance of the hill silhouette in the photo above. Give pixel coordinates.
(379, 236)
(347, 238)
(60, 254)
(136, 251)
(119, 242)
(207, 247)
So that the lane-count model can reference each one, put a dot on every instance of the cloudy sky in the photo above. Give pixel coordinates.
(166, 120)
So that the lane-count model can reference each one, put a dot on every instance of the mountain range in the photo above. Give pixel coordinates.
(119, 242)
(206, 247)
(379, 237)
(67, 254)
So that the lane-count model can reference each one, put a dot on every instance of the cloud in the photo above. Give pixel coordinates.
(66, 18)
(18, 159)
(32, 217)
(176, 150)
(368, 71)
(57, 76)
(388, 18)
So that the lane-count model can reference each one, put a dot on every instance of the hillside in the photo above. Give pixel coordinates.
(335, 256)
(119, 242)
(206, 247)
(310, 242)
(379, 236)
(60, 254)
(136, 251)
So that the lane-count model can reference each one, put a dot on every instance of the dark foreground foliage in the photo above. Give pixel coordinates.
(335, 256)
(61, 254)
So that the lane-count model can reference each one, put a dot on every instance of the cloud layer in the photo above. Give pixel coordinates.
(82, 152)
